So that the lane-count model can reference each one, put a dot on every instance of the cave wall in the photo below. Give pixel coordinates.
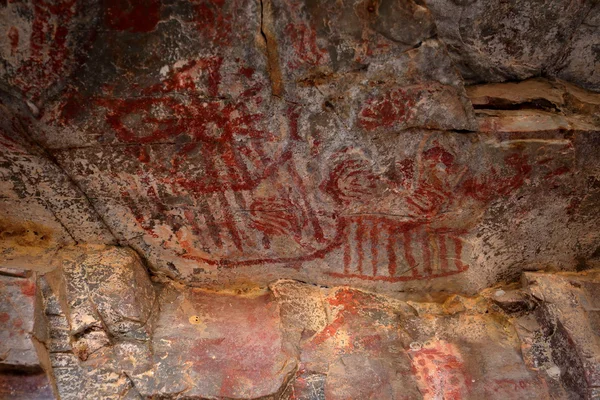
(234, 143)
(299, 199)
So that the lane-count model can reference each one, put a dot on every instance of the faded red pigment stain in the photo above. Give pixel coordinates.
(246, 71)
(558, 172)
(392, 108)
(132, 15)
(13, 37)
(440, 372)
(495, 183)
(73, 106)
(302, 35)
(4, 317)
(49, 54)
(206, 70)
(27, 288)
(213, 21)
(277, 216)
(516, 388)
(245, 347)
(349, 303)
(304, 41)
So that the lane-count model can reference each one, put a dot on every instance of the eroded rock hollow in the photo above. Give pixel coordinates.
(299, 199)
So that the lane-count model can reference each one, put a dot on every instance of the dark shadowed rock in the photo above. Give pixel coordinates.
(20, 386)
(42, 44)
(581, 59)
(569, 323)
(496, 41)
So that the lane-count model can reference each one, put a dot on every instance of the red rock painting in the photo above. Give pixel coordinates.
(304, 41)
(418, 238)
(214, 22)
(302, 35)
(250, 203)
(516, 388)
(381, 250)
(216, 152)
(204, 164)
(440, 371)
(46, 56)
(394, 107)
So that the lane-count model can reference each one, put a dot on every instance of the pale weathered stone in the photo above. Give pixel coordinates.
(17, 309)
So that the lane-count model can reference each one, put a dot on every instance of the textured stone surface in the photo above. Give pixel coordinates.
(96, 300)
(18, 386)
(17, 303)
(41, 209)
(496, 41)
(299, 341)
(331, 144)
(568, 317)
(42, 43)
(178, 176)
(582, 56)
(22, 326)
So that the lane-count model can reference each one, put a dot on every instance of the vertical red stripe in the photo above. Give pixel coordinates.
(314, 221)
(391, 252)
(251, 157)
(443, 253)
(210, 172)
(211, 224)
(360, 233)
(458, 260)
(347, 258)
(408, 254)
(229, 222)
(374, 245)
(261, 154)
(237, 167)
(426, 255)
(191, 219)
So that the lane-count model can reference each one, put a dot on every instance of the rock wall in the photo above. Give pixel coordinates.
(302, 199)
(234, 143)
(104, 330)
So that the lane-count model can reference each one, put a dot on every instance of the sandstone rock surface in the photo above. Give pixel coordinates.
(294, 340)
